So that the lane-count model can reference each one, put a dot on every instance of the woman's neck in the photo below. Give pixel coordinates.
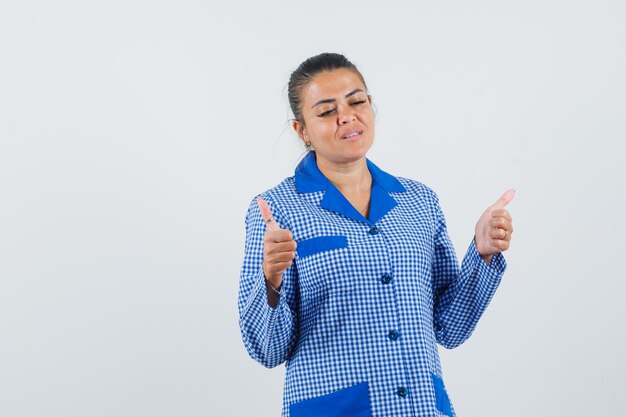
(350, 178)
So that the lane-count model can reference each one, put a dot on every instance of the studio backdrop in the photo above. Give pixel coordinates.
(134, 134)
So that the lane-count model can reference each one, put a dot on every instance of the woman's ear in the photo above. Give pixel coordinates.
(300, 130)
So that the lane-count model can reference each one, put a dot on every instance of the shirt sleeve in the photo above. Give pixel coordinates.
(268, 333)
(461, 295)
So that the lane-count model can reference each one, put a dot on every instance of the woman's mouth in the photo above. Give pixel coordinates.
(352, 135)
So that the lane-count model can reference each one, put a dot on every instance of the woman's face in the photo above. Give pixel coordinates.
(338, 117)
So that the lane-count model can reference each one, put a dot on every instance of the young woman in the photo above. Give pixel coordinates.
(349, 275)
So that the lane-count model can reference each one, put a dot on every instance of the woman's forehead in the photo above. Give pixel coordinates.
(333, 84)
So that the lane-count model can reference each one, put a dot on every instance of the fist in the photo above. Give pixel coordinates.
(278, 247)
(494, 228)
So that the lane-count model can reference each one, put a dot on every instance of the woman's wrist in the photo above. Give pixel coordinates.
(274, 288)
(273, 294)
(486, 258)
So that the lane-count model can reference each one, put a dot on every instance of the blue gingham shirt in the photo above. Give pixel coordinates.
(366, 301)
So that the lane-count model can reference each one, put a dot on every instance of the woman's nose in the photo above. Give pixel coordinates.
(345, 115)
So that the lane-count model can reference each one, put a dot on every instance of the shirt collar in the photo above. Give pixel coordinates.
(310, 179)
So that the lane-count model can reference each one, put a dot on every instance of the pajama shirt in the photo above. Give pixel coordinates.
(366, 300)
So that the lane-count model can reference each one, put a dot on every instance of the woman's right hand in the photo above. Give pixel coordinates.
(278, 247)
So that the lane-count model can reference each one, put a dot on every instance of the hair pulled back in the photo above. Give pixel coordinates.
(310, 68)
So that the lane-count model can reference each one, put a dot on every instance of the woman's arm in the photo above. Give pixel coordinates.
(268, 331)
(461, 295)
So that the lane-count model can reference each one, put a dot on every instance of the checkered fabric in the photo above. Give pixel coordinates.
(363, 306)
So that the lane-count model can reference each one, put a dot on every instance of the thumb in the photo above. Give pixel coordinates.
(266, 213)
(505, 199)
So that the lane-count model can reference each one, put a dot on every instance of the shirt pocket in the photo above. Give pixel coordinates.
(441, 396)
(321, 262)
(308, 247)
(353, 401)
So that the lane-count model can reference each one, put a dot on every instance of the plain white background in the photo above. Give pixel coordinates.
(134, 134)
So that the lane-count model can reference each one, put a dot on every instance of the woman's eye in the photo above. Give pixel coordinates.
(329, 111)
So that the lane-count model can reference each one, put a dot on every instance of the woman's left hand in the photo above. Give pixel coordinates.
(494, 228)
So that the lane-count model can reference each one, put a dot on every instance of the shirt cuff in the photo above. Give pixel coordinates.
(495, 268)
(259, 293)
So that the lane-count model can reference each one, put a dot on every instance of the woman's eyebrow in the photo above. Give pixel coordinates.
(332, 100)
(353, 92)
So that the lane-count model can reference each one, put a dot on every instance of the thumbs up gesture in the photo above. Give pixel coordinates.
(278, 247)
(494, 228)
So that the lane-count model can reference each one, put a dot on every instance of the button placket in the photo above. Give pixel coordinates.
(393, 334)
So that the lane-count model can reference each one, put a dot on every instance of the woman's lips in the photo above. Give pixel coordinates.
(352, 135)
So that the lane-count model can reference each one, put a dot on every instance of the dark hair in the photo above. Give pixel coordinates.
(309, 69)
